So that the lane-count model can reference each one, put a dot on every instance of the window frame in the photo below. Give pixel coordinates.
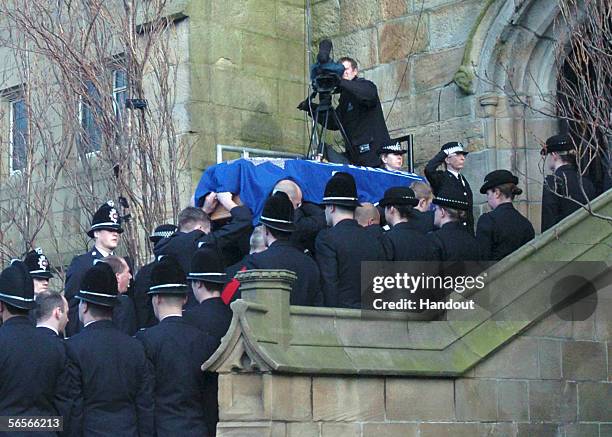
(115, 66)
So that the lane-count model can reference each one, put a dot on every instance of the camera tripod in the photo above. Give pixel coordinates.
(317, 148)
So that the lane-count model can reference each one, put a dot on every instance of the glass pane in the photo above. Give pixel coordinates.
(20, 134)
(92, 92)
(92, 136)
(120, 103)
(120, 79)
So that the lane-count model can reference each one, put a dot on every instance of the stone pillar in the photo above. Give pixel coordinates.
(270, 289)
(252, 400)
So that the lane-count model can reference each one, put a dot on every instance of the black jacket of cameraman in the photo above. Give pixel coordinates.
(361, 115)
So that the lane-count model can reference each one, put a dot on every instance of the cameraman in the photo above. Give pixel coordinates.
(361, 115)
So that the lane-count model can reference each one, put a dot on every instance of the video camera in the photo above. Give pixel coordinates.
(325, 74)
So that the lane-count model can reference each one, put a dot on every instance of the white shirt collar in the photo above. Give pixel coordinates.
(89, 323)
(44, 325)
(171, 315)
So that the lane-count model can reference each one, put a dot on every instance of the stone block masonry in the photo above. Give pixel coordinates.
(482, 403)
(248, 70)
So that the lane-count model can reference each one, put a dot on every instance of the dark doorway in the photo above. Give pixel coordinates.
(577, 74)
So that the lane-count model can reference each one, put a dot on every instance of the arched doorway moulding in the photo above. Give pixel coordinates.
(509, 65)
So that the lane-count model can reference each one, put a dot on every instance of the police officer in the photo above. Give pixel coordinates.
(503, 230)
(212, 315)
(33, 362)
(257, 243)
(195, 230)
(176, 350)
(452, 155)
(308, 217)
(406, 243)
(51, 313)
(565, 186)
(341, 248)
(368, 217)
(392, 156)
(124, 312)
(207, 276)
(105, 230)
(40, 269)
(109, 374)
(278, 225)
(161, 232)
(142, 301)
(452, 240)
(423, 215)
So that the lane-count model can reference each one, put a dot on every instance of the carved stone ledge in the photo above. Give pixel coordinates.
(281, 276)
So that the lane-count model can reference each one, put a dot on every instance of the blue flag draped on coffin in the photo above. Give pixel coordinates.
(254, 178)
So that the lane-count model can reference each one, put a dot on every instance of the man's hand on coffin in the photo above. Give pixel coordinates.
(225, 199)
(210, 203)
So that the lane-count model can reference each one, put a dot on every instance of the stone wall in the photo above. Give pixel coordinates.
(247, 76)
(553, 381)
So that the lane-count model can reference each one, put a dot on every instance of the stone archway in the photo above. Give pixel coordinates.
(509, 64)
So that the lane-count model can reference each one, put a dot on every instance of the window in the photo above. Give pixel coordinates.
(91, 107)
(18, 113)
(91, 137)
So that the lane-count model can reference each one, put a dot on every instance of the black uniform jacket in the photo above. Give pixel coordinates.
(145, 317)
(79, 265)
(309, 219)
(284, 255)
(182, 245)
(410, 245)
(379, 233)
(124, 315)
(361, 115)
(231, 271)
(438, 178)
(32, 363)
(176, 351)
(111, 385)
(340, 251)
(453, 242)
(564, 182)
(502, 231)
(422, 222)
(212, 316)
